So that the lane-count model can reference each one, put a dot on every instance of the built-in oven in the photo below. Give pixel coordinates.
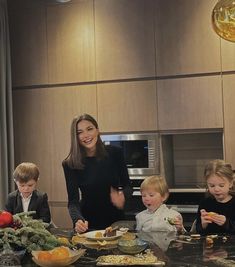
(141, 152)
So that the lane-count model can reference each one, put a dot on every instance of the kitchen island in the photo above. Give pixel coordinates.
(180, 251)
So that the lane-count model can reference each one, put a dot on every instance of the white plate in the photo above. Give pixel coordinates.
(92, 235)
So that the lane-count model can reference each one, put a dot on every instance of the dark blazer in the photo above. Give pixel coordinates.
(38, 203)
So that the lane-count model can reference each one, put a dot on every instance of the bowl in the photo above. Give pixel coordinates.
(134, 246)
(74, 255)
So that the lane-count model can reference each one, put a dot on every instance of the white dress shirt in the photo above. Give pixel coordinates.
(25, 202)
(148, 221)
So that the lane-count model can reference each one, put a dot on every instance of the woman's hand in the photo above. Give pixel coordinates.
(81, 226)
(117, 198)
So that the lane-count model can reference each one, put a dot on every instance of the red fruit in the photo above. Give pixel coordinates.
(6, 218)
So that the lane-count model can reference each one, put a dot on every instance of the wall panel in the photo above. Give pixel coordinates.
(190, 103)
(124, 39)
(127, 107)
(28, 42)
(185, 40)
(71, 51)
(229, 118)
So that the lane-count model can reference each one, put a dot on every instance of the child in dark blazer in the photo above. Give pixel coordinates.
(27, 197)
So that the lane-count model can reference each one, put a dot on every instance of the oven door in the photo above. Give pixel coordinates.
(141, 152)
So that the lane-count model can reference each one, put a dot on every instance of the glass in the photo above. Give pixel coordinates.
(135, 152)
(223, 19)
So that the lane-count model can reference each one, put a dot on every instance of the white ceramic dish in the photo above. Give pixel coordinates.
(93, 235)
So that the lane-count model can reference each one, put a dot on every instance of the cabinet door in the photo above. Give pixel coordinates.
(130, 106)
(227, 55)
(192, 103)
(71, 51)
(27, 21)
(124, 39)
(185, 40)
(229, 118)
(60, 215)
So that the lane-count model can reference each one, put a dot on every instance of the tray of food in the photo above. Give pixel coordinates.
(145, 259)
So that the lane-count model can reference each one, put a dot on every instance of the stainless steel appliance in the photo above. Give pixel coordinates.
(141, 152)
(142, 157)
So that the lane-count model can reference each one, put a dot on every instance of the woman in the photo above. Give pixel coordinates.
(94, 174)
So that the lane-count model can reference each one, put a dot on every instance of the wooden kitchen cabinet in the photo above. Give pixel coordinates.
(60, 215)
(124, 34)
(227, 55)
(27, 23)
(71, 51)
(127, 107)
(185, 40)
(190, 103)
(229, 118)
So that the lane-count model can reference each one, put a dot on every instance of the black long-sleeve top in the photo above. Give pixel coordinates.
(94, 183)
(227, 209)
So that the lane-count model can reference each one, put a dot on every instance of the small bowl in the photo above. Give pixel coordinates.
(134, 246)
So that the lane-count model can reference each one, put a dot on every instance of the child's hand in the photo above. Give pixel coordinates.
(178, 222)
(205, 218)
(218, 219)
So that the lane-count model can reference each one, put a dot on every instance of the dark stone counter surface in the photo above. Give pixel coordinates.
(174, 250)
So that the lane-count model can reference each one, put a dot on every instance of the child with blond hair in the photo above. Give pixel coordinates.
(157, 216)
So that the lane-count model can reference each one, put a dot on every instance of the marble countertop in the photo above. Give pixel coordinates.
(177, 251)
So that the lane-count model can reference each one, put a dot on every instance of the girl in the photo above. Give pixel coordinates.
(157, 216)
(216, 212)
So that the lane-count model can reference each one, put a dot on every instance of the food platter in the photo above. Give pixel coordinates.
(94, 244)
(128, 260)
(93, 235)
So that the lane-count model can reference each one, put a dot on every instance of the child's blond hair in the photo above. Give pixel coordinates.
(157, 183)
(26, 171)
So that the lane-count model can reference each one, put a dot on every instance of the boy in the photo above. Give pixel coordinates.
(157, 216)
(26, 197)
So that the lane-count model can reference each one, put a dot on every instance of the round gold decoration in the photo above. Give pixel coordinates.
(223, 19)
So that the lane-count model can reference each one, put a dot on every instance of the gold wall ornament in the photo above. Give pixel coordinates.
(223, 19)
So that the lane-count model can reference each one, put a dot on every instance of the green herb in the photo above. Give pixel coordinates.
(30, 234)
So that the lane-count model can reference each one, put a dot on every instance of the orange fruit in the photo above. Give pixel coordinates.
(44, 256)
(60, 253)
(63, 240)
(211, 213)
